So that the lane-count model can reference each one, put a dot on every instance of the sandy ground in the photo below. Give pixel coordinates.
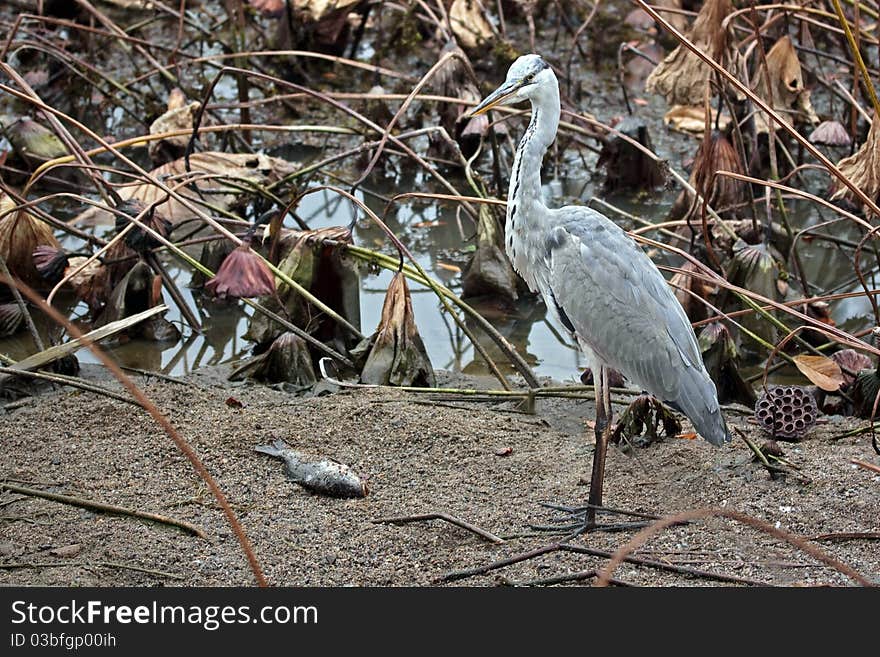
(478, 461)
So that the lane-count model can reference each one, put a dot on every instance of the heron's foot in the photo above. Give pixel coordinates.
(645, 421)
(576, 520)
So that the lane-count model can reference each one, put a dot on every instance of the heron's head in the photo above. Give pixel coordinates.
(528, 76)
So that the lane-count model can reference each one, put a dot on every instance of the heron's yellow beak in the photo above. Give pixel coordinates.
(497, 97)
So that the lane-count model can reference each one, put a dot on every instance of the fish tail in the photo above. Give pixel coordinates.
(274, 449)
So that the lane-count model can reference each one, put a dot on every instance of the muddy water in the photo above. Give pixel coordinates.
(434, 234)
(440, 238)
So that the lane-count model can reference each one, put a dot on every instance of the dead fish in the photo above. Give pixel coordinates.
(326, 477)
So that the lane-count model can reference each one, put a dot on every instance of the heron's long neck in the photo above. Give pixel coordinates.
(525, 202)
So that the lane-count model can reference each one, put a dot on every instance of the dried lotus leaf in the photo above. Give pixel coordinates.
(240, 169)
(862, 168)
(20, 235)
(489, 271)
(469, 24)
(692, 119)
(682, 76)
(786, 92)
(180, 115)
(397, 355)
(822, 371)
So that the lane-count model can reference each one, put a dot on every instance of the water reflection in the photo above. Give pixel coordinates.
(439, 236)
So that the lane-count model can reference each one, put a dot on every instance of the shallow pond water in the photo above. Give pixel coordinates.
(439, 238)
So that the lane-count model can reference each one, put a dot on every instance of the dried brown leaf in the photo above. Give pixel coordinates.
(179, 116)
(227, 172)
(469, 24)
(851, 362)
(786, 91)
(397, 356)
(862, 168)
(20, 235)
(320, 10)
(830, 133)
(682, 76)
(326, 273)
(692, 119)
(723, 193)
(11, 319)
(242, 274)
(822, 371)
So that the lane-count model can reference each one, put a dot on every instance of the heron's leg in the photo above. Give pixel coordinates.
(585, 517)
(603, 426)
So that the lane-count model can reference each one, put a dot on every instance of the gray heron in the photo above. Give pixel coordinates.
(597, 282)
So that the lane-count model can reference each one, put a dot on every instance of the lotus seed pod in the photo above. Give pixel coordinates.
(786, 412)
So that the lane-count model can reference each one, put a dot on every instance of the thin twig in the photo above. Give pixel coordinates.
(669, 567)
(89, 564)
(69, 381)
(104, 507)
(846, 536)
(567, 547)
(639, 539)
(167, 427)
(562, 579)
(439, 515)
(866, 465)
(501, 563)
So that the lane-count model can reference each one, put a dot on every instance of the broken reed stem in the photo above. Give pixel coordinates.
(760, 103)
(410, 153)
(578, 549)
(195, 264)
(403, 107)
(172, 193)
(436, 288)
(103, 507)
(847, 536)
(102, 186)
(166, 425)
(866, 465)
(752, 298)
(143, 140)
(579, 576)
(680, 179)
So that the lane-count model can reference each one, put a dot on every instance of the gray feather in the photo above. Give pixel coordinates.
(623, 310)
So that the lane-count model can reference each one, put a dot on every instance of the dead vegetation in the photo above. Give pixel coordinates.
(137, 143)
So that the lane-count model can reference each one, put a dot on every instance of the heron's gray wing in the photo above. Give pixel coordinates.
(619, 304)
